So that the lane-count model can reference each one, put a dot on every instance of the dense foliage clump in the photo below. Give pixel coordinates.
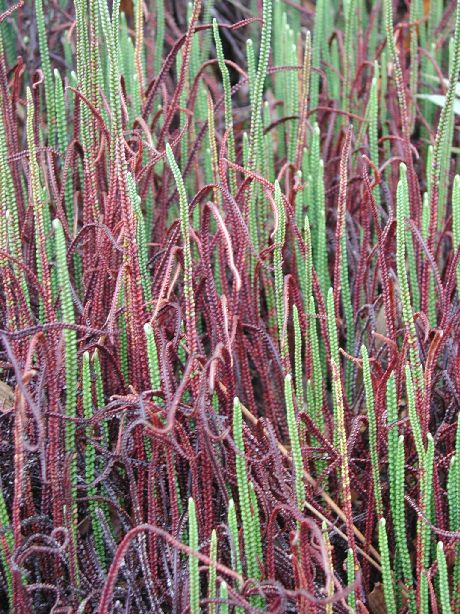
(229, 306)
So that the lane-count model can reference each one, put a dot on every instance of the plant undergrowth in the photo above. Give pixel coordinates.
(229, 306)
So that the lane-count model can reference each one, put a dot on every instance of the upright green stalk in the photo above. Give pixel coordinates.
(373, 122)
(257, 530)
(456, 223)
(394, 56)
(110, 30)
(152, 356)
(99, 394)
(212, 577)
(351, 599)
(280, 234)
(339, 427)
(71, 370)
(368, 388)
(250, 539)
(185, 233)
(332, 330)
(139, 52)
(233, 530)
(228, 113)
(413, 416)
(423, 529)
(223, 596)
(400, 526)
(321, 262)
(46, 68)
(317, 49)
(306, 279)
(387, 576)
(10, 238)
(90, 459)
(349, 8)
(453, 495)
(256, 112)
(317, 376)
(402, 209)
(415, 14)
(38, 205)
(295, 443)
(194, 574)
(298, 371)
(438, 167)
(61, 137)
(70, 335)
(443, 579)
